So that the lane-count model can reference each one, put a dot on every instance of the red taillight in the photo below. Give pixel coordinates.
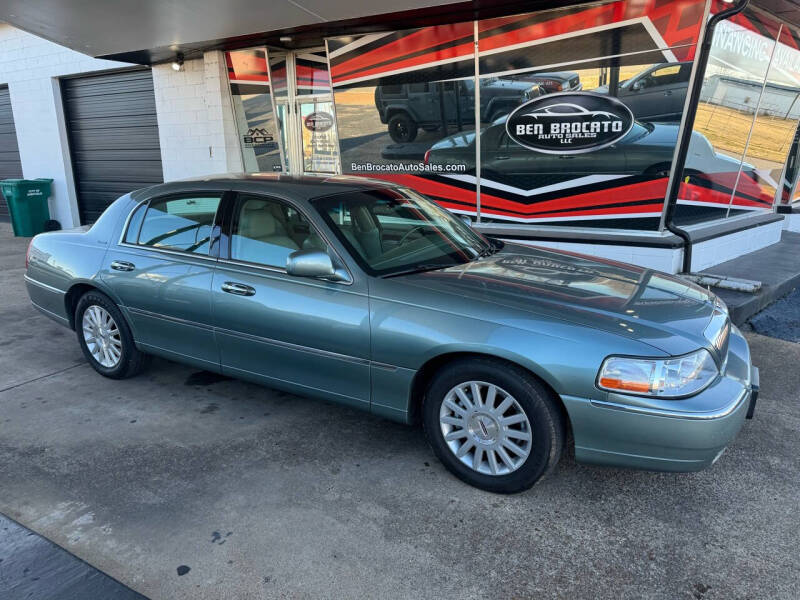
(427, 156)
(28, 254)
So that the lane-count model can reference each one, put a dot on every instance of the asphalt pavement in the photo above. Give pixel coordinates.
(183, 485)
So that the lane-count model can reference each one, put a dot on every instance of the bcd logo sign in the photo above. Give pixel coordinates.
(257, 136)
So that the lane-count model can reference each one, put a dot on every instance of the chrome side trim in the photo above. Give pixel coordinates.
(147, 313)
(296, 347)
(171, 354)
(676, 414)
(51, 314)
(233, 370)
(242, 263)
(167, 251)
(49, 288)
(386, 366)
(265, 340)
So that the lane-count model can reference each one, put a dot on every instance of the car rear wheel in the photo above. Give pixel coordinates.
(402, 128)
(105, 337)
(493, 425)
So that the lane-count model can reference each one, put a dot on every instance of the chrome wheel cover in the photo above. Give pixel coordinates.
(102, 337)
(485, 428)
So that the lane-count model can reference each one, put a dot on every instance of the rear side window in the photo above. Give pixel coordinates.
(183, 224)
(135, 224)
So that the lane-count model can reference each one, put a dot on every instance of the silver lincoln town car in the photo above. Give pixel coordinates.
(371, 295)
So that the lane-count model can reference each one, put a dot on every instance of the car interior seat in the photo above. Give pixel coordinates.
(262, 237)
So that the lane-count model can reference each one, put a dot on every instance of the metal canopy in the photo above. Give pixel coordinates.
(152, 31)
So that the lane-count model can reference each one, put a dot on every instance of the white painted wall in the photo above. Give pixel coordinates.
(197, 128)
(727, 247)
(30, 66)
(792, 222)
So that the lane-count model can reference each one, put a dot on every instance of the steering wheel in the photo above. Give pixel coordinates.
(418, 228)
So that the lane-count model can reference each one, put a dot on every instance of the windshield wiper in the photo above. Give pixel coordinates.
(417, 269)
(492, 247)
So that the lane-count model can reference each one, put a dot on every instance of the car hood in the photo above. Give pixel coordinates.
(664, 311)
(457, 140)
(508, 84)
(553, 75)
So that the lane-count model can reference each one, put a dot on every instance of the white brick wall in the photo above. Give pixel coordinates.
(197, 128)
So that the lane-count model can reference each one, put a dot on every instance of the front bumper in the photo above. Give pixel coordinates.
(667, 435)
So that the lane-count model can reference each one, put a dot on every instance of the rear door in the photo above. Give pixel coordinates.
(306, 335)
(162, 271)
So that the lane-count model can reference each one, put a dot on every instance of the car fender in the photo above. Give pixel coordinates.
(393, 109)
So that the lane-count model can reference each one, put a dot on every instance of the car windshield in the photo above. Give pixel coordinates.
(397, 231)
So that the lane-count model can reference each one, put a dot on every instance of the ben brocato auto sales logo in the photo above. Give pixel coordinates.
(318, 121)
(570, 123)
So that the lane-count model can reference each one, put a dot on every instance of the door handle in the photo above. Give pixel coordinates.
(122, 265)
(239, 289)
(668, 93)
(502, 157)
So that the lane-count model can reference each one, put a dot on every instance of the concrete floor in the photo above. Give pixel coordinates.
(266, 495)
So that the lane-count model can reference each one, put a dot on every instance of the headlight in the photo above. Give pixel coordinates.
(663, 378)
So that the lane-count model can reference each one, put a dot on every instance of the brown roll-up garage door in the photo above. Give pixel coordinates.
(10, 165)
(113, 136)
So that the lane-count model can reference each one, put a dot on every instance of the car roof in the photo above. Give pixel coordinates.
(294, 187)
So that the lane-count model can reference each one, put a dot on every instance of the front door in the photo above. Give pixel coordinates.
(305, 111)
(305, 335)
(161, 273)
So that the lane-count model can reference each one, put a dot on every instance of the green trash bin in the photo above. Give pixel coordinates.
(27, 203)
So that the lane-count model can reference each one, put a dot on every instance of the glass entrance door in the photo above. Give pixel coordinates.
(305, 111)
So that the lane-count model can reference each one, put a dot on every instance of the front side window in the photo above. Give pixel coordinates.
(183, 224)
(267, 231)
(390, 232)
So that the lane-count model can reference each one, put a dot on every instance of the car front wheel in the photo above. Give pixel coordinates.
(105, 338)
(493, 425)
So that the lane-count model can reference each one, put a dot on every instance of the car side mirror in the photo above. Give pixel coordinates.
(314, 263)
(637, 85)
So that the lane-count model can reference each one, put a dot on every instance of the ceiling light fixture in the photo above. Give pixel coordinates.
(177, 64)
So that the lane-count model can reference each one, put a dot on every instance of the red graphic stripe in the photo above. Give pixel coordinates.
(593, 17)
(697, 193)
(315, 75)
(633, 211)
(245, 66)
(642, 191)
(427, 37)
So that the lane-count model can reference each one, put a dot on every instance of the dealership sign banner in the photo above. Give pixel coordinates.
(570, 123)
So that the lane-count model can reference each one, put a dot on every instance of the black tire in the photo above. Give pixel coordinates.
(547, 422)
(131, 360)
(402, 128)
